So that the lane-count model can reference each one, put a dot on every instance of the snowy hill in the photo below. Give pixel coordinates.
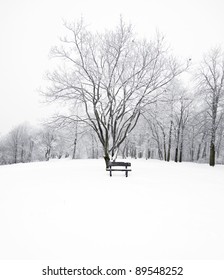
(72, 209)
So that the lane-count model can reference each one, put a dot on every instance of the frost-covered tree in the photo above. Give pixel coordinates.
(181, 116)
(18, 145)
(17, 142)
(211, 84)
(48, 140)
(112, 76)
(167, 119)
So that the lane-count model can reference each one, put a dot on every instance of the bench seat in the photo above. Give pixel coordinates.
(113, 164)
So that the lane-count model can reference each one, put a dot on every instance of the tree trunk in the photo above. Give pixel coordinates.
(169, 142)
(15, 155)
(213, 135)
(192, 151)
(47, 154)
(164, 145)
(148, 153)
(74, 149)
(181, 144)
(181, 152)
(160, 153)
(199, 151)
(212, 154)
(218, 145)
(22, 153)
(176, 154)
(200, 146)
(107, 159)
(177, 144)
(192, 146)
(204, 153)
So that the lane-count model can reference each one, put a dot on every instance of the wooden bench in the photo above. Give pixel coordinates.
(113, 164)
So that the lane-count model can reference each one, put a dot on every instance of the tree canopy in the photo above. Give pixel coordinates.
(111, 77)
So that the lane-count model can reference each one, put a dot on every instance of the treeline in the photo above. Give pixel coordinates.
(178, 127)
(25, 143)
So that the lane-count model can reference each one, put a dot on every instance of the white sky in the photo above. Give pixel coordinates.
(28, 29)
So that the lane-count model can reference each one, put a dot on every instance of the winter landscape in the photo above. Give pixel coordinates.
(86, 85)
(66, 209)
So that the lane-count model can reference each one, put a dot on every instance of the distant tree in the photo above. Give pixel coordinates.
(181, 116)
(4, 157)
(211, 85)
(17, 143)
(48, 141)
(166, 120)
(112, 76)
(14, 143)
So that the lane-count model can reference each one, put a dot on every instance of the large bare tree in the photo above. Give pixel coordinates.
(111, 77)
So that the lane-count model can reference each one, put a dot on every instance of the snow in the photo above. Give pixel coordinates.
(73, 209)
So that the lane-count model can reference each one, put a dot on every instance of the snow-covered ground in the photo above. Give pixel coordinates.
(72, 209)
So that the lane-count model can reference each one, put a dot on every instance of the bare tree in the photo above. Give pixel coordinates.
(182, 107)
(211, 82)
(112, 76)
(17, 142)
(14, 143)
(48, 141)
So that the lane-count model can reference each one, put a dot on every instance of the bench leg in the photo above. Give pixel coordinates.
(110, 172)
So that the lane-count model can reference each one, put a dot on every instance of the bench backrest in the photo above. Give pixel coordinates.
(119, 163)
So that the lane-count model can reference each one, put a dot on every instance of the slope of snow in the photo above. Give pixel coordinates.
(73, 209)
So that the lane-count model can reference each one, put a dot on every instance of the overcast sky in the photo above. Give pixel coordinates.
(29, 28)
